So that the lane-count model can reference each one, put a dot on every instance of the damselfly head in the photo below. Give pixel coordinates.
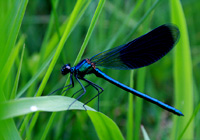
(66, 69)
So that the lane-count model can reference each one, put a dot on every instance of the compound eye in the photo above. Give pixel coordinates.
(66, 69)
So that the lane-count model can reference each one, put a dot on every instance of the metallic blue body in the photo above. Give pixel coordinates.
(82, 68)
(99, 73)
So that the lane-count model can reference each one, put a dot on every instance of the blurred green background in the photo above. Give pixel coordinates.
(40, 26)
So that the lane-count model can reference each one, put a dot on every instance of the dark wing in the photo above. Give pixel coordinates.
(140, 52)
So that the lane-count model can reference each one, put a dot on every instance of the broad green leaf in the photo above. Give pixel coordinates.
(106, 128)
(22, 106)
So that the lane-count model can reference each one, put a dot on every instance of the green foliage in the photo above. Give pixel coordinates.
(56, 32)
(24, 106)
(105, 127)
(182, 74)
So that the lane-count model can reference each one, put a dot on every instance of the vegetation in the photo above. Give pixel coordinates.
(38, 37)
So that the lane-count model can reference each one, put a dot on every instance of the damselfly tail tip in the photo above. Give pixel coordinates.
(179, 113)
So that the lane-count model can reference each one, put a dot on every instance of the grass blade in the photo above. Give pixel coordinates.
(22, 106)
(139, 102)
(37, 74)
(130, 110)
(90, 30)
(15, 87)
(10, 31)
(8, 130)
(182, 74)
(189, 122)
(11, 59)
(106, 129)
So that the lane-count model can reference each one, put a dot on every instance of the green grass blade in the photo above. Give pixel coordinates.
(90, 30)
(53, 3)
(140, 86)
(11, 59)
(10, 31)
(37, 74)
(22, 106)
(130, 111)
(190, 121)
(15, 87)
(8, 130)
(139, 102)
(50, 42)
(182, 74)
(106, 129)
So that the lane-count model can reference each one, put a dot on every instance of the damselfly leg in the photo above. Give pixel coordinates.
(67, 86)
(84, 90)
(97, 87)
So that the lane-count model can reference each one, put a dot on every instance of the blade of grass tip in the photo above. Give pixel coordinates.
(15, 87)
(182, 75)
(130, 111)
(155, 4)
(70, 26)
(189, 122)
(144, 132)
(88, 35)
